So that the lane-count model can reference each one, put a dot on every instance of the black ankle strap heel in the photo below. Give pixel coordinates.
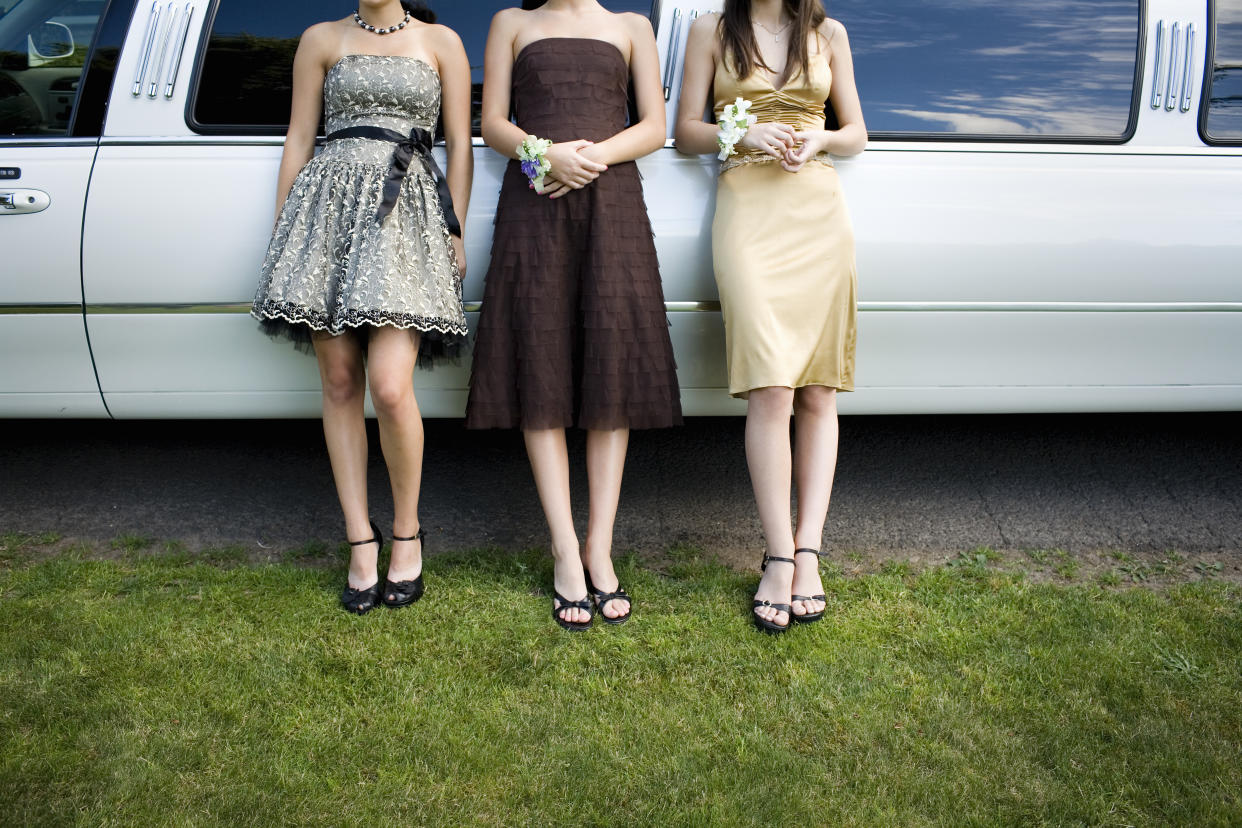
(810, 617)
(362, 601)
(762, 623)
(403, 593)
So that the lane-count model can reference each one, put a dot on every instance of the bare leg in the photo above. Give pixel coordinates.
(815, 462)
(549, 461)
(605, 463)
(343, 377)
(770, 461)
(391, 355)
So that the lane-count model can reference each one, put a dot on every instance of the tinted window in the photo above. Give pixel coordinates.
(1223, 102)
(245, 83)
(43, 47)
(973, 68)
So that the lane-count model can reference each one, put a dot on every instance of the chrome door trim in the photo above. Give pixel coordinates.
(1170, 91)
(688, 307)
(671, 53)
(46, 308)
(1057, 307)
(936, 144)
(930, 144)
(174, 308)
(1158, 62)
(1187, 90)
(5, 143)
(148, 45)
(175, 66)
(154, 86)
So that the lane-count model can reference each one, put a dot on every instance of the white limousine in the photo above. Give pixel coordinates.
(1048, 213)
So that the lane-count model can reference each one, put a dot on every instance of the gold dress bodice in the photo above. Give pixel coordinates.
(799, 103)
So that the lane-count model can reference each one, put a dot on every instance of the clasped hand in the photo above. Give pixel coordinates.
(573, 167)
(792, 147)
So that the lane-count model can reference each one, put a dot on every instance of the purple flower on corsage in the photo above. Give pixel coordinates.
(532, 152)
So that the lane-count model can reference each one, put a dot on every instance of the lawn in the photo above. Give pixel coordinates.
(144, 686)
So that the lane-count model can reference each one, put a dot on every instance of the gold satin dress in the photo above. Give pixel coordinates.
(783, 247)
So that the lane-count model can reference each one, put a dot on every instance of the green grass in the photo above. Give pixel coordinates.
(158, 690)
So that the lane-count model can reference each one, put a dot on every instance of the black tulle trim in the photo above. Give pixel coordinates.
(440, 340)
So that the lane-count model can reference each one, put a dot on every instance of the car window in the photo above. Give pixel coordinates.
(245, 77)
(43, 48)
(995, 68)
(1222, 105)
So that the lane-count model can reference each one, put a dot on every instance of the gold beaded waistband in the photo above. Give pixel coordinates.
(741, 160)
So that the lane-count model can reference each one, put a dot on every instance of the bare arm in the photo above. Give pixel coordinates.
(501, 134)
(851, 137)
(454, 68)
(309, 70)
(696, 136)
(693, 135)
(647, 135)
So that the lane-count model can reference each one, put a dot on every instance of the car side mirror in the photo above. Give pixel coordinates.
(50, 42)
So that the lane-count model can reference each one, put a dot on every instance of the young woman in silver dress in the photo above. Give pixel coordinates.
(365, 261)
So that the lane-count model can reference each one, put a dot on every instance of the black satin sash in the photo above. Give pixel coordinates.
(419, 140)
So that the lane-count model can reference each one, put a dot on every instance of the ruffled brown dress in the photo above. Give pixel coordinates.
(573, 329)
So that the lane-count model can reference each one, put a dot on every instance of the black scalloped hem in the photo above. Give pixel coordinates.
(439, 342)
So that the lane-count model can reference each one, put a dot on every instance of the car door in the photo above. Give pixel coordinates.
(50, 84)
(181, 204)
(1040, 226)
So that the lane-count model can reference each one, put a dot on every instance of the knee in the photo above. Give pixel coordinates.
(773, 402)
(392, 396)
(816, 401)
(342, 383)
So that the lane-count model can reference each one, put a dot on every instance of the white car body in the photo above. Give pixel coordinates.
(993, 276)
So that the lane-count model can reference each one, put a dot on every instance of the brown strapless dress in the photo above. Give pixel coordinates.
(573, 329)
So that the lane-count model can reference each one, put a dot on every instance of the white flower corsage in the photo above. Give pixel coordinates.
(733, 123)
(532, 152)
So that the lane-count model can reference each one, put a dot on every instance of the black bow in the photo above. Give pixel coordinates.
(418, 141)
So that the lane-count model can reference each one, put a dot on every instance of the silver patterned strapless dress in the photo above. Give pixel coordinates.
(332, 265)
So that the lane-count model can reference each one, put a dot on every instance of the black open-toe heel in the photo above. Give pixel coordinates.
(403, 593)
(361, 601)
(810, 617)
(572, 626)
(762, 623)
(602, 598)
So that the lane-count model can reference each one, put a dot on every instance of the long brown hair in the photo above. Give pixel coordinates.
(737, 34)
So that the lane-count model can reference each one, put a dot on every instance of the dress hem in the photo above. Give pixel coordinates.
(357, 319)
(742, 394)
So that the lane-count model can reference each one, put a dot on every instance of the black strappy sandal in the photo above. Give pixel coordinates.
(602, 598)
(362, 601)
(810, 617)
(762, 623)
(572, 626)
(403, 593)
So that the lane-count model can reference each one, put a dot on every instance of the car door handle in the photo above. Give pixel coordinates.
(18, 202)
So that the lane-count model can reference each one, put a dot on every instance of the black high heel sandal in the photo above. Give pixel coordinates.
(601, 598)
(810, 617)
(403, 593)
(572, 626)
(763, 624)
(362, 601)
